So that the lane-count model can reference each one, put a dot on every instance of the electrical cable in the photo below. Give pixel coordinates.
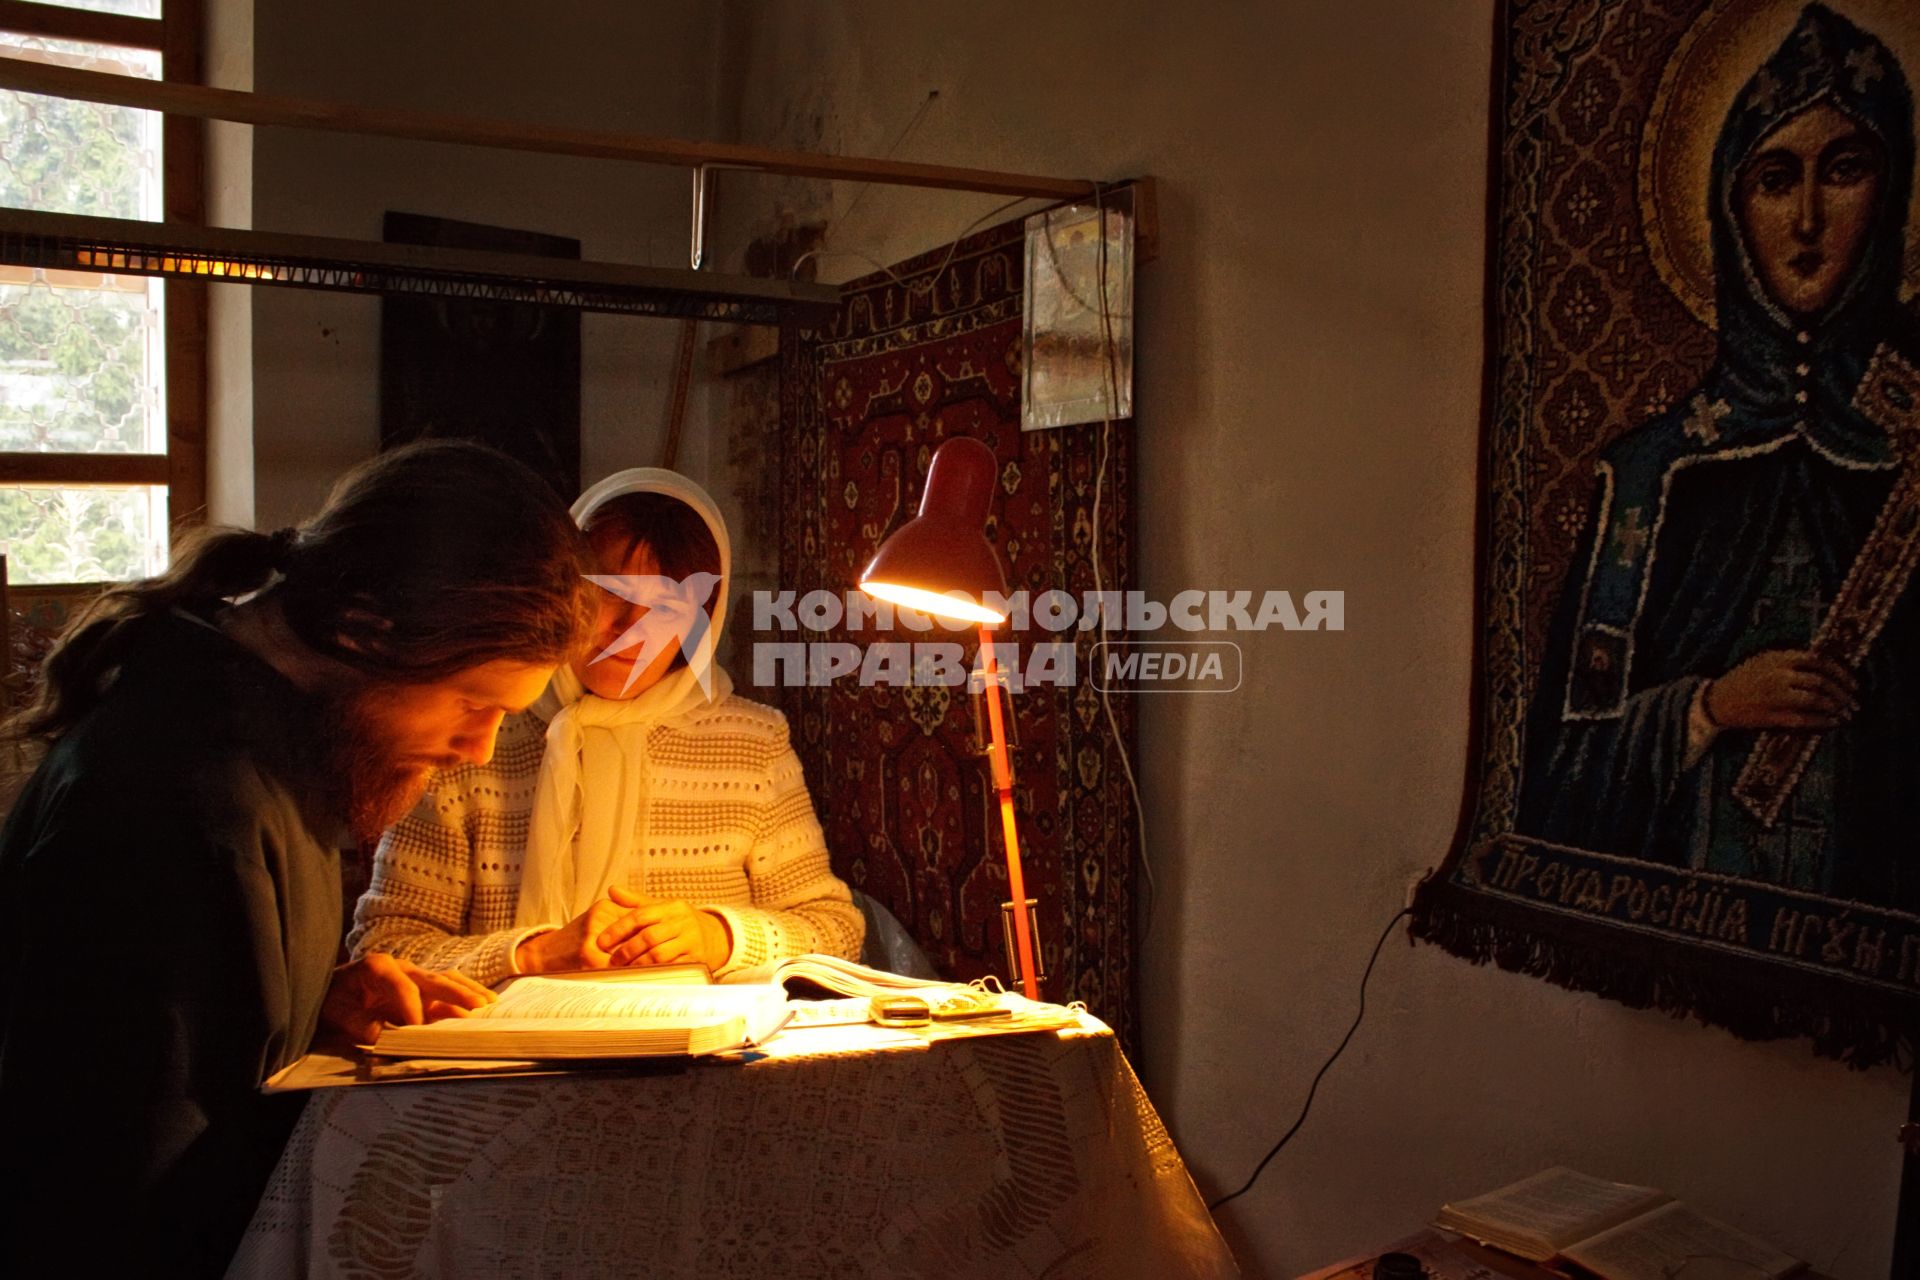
(1313, 1088)
(860, 194)
(1060, 272)
(1110, 402)
(911, 286)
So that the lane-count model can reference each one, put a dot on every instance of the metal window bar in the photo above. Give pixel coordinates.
(73, 242)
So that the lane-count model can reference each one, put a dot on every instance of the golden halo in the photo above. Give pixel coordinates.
(1719, 53)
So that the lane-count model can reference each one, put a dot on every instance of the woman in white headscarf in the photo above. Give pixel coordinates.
(640, 812)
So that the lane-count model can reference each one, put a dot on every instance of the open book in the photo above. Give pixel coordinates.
(1616, 1231)
(806, 974)
(539, 1018)
(831, 974)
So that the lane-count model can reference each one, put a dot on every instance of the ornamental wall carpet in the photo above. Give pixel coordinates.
(928, 350)
(1696, 762)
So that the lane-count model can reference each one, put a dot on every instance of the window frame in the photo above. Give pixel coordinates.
(177, 35)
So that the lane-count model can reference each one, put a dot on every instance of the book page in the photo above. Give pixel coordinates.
(585, 998)
(1555, 1208)
(1675, 1242)
(833, 974)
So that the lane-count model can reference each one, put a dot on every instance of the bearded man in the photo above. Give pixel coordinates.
(169, 878)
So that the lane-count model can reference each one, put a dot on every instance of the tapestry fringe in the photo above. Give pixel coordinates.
(1857, 1031)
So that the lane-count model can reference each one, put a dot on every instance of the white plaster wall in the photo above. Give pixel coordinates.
(579, 63)
(230, 474)
(1309, 385)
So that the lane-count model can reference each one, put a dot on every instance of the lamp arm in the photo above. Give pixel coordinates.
(1002, 770)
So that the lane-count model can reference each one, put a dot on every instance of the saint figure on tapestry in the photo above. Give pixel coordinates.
(1731, 681)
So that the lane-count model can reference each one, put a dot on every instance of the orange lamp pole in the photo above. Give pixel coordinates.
(1003, 785)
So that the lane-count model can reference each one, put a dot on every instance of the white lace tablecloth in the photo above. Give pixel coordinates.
(1006, 1156)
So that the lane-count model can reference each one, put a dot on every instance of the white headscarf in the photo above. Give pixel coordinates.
(588, 802)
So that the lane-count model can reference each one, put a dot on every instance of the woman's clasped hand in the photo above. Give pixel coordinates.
(625, 929)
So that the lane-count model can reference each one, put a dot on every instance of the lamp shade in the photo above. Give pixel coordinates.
(940, 562)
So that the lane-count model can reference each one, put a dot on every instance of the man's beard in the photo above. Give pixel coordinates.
(375, 787)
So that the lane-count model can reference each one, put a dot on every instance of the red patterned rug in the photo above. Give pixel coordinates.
(928, 351)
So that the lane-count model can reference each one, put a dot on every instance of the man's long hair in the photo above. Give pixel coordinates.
(425, 561)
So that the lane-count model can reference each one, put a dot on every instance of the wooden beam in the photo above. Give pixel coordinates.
(421, 126)
(82, 470)
(184, 192)
(56, 23)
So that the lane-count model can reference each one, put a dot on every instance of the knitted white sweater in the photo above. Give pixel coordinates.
(730, 828)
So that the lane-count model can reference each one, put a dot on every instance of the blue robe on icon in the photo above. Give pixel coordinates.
(1724, 527)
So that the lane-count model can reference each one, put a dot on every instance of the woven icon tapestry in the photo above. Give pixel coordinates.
(929, 350)
(1697, 712)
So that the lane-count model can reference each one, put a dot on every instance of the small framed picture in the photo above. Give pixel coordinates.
(1078, 352)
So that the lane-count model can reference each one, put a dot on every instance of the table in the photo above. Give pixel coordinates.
(848, 1151)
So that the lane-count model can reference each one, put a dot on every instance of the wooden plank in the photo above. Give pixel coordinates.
(187, 396)
(56, 23)
(83, 470)
(422, 126)
(677, 398)
(184, 187)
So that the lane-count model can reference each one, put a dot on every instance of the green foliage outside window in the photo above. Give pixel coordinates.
(79, 366)
(77, 535)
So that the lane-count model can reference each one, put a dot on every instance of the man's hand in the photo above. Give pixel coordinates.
(1783, 689)
(377, 988)
(664, 931)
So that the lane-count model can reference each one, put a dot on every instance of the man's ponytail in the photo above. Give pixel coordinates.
(210, 565)
(425, 561)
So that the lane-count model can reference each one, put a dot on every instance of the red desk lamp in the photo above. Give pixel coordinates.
(941, 563)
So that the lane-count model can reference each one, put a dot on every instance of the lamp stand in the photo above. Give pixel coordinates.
(1020, 952)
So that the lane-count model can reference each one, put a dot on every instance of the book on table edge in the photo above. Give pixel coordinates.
(543, 1018)
(327, 1067)
(671, 1010)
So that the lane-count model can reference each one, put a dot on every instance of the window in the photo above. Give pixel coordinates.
(101, 376)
